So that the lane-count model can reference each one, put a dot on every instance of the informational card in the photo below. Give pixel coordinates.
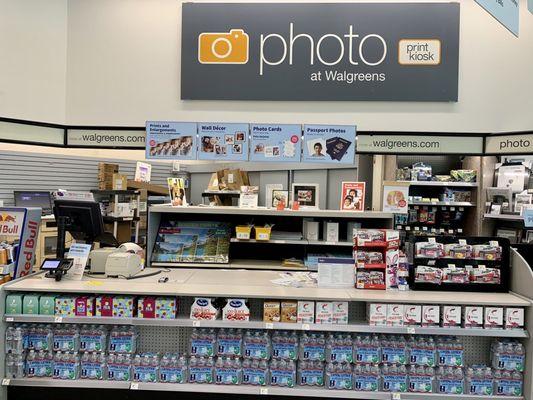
(353, 196)
(507, 12)
(395, 197)
(79, 252)
(278, 143)
(336, 272)
(143, 172)
(171, 140)
(329, 144)
(228, 142)
(527, 213)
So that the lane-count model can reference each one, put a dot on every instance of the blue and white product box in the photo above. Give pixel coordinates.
(421, 383)
(450, 358)
(340, 352)
(171, 140)
(256, 351)
(394, 355)
(227, 142)
(201, 374)
(340, 380)
(366, 383)
(277, 143)
(118, 372)
(509, 387)
(282, 377)
(202, 347)
(145, 373)
(172, 374)
(450, 386)
(228, 375)
(254, 376)
(394, 383)
(329, 144)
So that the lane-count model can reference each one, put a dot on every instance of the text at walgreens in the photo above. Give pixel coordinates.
(350, 45)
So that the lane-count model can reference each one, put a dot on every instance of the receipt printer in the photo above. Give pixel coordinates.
(123, 265)
(98, 259)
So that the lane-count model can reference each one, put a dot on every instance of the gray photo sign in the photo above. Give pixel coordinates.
(316, 51)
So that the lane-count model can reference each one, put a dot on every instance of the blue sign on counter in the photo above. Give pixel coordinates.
(227, 142)
(171, 140)
(329, 144)
(528, 216)
(275, 142)
(505, 11)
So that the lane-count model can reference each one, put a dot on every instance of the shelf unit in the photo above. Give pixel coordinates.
(254, 285)
(443, 184)
(506, 217)
(243, 253)
(245, 390)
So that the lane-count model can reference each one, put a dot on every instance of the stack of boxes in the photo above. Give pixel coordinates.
(110, 179)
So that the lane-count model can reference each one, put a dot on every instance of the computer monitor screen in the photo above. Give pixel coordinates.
(83, 219)
(49, 264)
(34, 199)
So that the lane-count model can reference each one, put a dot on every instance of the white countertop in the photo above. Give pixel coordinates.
(250, 284)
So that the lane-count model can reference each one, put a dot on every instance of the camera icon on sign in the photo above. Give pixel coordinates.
(223, 48)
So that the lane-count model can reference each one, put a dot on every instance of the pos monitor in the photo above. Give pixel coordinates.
(82, 219)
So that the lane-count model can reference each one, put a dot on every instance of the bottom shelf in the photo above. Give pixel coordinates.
(243, 390)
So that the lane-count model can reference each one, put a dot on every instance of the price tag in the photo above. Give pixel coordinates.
(452, 208)
(329, 243)
(196, 324)
(424, 228)
(269, 325)
(407, 228)
(494, 243)
(417, 228)
(281, 241)
(451, 266)
(450, 231)
(447, 203)
(459, 230)
(462, 242)
(6, 382)
(461, 208)
(263, 391)
(399, 227)
(432, 262)
(442, 230)
(482, 267)
(432, 240)
(396, 396)
(416, 207)
(9, 319)
(411, 330)
(305, 327)
(58, 320)
(134, 385)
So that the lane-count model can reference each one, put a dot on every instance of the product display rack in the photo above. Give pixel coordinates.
(172, 335)
(243, 253)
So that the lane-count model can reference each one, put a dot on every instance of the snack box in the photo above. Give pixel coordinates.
(236, 310)
(493, 317)
(203, 309)
(30, 304)
(377, 314)
(166, 307)
(47, 304)
(412, 314)
(451, 316)
(289, 311)
(377, 237)
(85, 306)
(271, 311)
(473, 317)
(146, 307)
(340, 312)
(395, 314)
(104, 306)
(324, 312)
(14, 304)
(430, 315)
(65, 306)
(514, 318)
(306, 312)
(124, 306)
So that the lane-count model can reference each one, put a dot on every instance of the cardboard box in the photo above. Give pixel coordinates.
(324, 312)
(107, 167)
(65, 306)
(431, 315)
(451, 316)
(412, 314)
(289, 311)
(30, 304)
(120, 182)
(473, 317)
(514, 318)
(331, 232)
(271, 311)
(104, 306)
(236, 310)
(395, 314)
(85, 306)
(47, 304)
(377, 314)
(493, 317)
(146, 307)
(306, 312)
(166, 307)
(340, 312)
(310, 229)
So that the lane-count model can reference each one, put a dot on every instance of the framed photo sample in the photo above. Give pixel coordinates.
(353, 196)
(278, 196)
(502, 196)
(529, 236)
(522, 199)
(269, 188)
(306, 194)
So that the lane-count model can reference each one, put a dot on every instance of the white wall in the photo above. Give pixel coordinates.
(33, 59)
(123, 68)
